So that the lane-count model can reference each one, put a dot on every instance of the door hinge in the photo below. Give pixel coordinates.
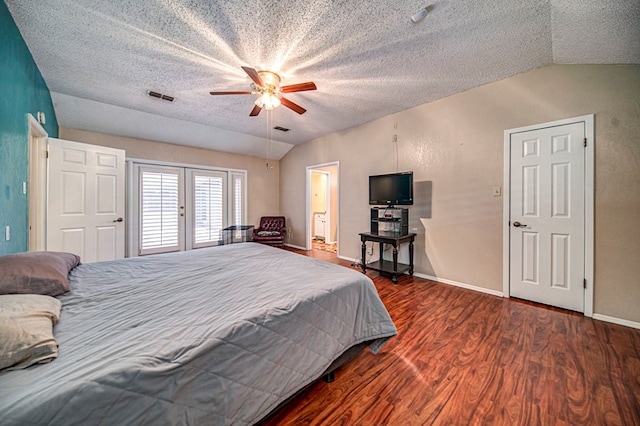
(46, 154)
(584, 282)
(585, 142)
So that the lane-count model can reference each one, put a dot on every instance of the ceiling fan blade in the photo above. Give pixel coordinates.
(255, 111)
(254, 76)
(300, 87)
(230, 93)
(292, 106)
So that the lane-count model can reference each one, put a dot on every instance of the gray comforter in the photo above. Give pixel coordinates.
(211, 336)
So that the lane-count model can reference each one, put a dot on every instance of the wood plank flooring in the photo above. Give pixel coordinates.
(466, 358)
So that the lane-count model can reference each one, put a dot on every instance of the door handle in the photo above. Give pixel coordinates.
(518, 224)
(118, 219)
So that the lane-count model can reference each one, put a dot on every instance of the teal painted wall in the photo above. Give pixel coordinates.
(22, 91)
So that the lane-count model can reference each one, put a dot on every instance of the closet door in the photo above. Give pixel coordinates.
(161, 209)
(208, 207)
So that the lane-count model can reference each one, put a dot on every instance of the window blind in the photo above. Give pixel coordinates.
(208, 208)
(238, 199)
(160, 210)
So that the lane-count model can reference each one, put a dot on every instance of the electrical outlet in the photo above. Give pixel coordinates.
(7, 233)
(369, 250)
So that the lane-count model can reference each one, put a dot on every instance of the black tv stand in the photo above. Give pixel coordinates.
(389, 220)
(385, 266)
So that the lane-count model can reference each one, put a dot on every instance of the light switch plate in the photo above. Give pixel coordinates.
(7, 233)
(496, 191)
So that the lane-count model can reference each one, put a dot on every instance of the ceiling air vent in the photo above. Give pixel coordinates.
(282, 129)
(160, 96)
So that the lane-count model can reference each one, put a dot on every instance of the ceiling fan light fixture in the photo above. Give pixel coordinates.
(266, 84)
(270, 78)
(268, 101)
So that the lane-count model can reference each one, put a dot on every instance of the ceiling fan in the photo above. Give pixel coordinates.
(266, 84)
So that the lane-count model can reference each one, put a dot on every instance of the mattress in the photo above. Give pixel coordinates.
(219, 335)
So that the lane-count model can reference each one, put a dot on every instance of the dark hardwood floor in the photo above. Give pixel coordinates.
(467, 358)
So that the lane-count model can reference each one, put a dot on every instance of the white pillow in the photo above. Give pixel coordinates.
(268, 233)
(26, 330)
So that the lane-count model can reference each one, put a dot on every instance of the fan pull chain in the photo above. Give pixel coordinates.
(268, 137)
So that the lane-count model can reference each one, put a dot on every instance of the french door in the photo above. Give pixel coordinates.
(161, 209)
(207, 195)
(181, 208)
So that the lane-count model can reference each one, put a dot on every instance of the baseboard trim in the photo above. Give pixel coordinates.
(618, 321)
(296, 247)
(443, 281)
(459, 284)
(348, 258)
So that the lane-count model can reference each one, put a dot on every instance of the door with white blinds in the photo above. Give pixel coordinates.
(207, 195)
(181, 208)
(161, 209)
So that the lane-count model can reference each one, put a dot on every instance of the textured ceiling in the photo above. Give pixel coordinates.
(367, 58)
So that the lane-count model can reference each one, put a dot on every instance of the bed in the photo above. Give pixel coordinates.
(220, 335)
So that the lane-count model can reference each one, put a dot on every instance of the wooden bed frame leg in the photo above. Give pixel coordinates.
(329, 377)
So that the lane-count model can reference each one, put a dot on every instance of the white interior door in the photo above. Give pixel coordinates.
(85, 200)
(547, 216)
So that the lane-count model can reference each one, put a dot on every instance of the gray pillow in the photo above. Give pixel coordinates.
(37, 272)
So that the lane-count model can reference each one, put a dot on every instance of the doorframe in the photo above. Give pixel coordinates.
(308, 213)
(37, 185)
(327, 203)
(589, 188)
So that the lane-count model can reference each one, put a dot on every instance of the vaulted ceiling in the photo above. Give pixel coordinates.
(367, 58)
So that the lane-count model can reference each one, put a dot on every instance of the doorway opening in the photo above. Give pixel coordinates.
(37, 187)
(322, 212)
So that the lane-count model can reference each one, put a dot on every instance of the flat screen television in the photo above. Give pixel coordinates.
(395, 189)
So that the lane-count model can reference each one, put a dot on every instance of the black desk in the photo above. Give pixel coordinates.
(385, 266)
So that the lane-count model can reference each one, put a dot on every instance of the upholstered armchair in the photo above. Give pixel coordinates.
(271, 231)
